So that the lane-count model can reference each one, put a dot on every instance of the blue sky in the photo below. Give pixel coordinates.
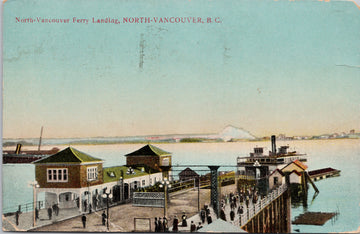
(269, 67)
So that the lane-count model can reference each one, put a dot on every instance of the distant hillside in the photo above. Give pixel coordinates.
(231, 132)
(227, 134)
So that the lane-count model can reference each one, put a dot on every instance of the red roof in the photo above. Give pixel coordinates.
(300, 164)
(297, 163)
(320, 171)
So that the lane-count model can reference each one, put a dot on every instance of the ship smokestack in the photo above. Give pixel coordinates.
(18, 149)
(273, 144)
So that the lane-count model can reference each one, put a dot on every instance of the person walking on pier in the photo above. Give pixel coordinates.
(209, 219)
(232, 215)
(160, 225)
(55, 208)
(165, 224)
(17, 214)
(240, 210)
(175, 224)
(156, 225)
(103, 218)
(222, 215)
(49, 210)
(83, 220)
(202, 215)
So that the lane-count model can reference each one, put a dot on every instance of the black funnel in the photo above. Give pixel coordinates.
(273, 144)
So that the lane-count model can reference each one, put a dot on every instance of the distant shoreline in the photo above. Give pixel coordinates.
(25, 143)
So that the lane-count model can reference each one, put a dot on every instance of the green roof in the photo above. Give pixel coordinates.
(149, 150)
(68, 155)
(114, 173)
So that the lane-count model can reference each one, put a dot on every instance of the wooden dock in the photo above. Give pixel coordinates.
(323, 173)
(313, 218)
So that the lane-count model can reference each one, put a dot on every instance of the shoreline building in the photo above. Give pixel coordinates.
(71, 178)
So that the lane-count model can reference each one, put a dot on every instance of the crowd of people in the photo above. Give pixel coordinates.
(238, 202)
(162, 224)
(53, 209)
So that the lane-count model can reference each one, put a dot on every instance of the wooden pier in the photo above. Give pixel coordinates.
(323, 173)
(270, 214)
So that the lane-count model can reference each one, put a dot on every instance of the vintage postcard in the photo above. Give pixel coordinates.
(181, 116)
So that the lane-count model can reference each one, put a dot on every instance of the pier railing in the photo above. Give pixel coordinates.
(254, 208)
(24, 207)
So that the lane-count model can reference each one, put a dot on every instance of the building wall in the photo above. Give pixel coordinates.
(294, 178)
(83, 175)
(77, 176)
(151, 161)
(271, 179)
(149, 180)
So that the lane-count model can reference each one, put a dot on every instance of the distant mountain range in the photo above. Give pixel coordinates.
(229, 133)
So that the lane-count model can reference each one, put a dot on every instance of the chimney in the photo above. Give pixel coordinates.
(273, 144)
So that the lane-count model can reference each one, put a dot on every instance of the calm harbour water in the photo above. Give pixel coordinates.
(336, 194)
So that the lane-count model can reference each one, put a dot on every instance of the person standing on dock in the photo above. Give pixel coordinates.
(192, 227)
(36, 213)
(175, 224)
(103, 218)
(85, 206)
(183, 218)
(83, 219)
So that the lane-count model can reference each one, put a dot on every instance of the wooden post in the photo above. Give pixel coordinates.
(280, 214)
(263, 220)
(288, 211)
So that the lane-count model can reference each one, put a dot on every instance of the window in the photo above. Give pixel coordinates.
(92, 173)
(165, 162)
(143, 183)
(276, 181)
(57, 175)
